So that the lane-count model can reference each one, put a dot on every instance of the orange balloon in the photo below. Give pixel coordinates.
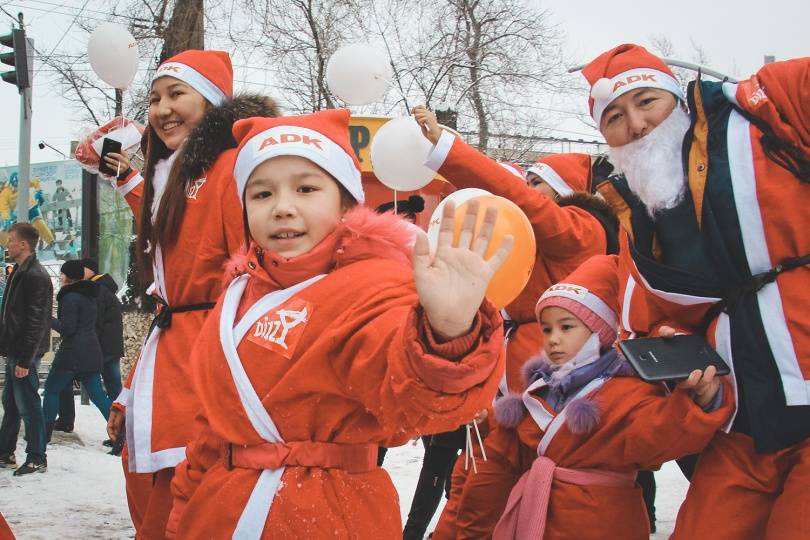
(512, 276)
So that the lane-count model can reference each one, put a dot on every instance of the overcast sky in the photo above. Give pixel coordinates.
(735, 35)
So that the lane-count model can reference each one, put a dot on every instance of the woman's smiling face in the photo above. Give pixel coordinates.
(175, 109)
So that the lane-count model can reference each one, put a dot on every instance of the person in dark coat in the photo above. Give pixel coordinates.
(110, 331)
(25, 319)
(79, 354)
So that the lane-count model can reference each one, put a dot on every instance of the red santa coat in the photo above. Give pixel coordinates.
(360, 368)
(158, 394)
(640, 427)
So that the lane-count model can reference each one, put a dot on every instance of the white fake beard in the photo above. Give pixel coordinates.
(653, 165)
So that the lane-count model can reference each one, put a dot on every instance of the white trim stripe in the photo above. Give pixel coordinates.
(123, 396)
(722, 344)
(541, 416)
(193, 78)
(769, 298)
(646, 78)
(552, 178)
(139, 411)
(627, 304)
(130, 184)
(730, 91)
(675, 298)
(512, 170)
(438, 155)
(252, 520)
(559, 420)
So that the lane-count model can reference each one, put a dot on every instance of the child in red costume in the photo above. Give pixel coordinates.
(596, 424)
(326, 345)
(570, 226)
(189, 222)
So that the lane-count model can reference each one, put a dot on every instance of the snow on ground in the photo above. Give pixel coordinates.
(82, 494)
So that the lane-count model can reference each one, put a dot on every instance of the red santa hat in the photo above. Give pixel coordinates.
(622, 69)
(321, 137)
(513, 168)
(591, 293)
(565, 173)
(208, 72)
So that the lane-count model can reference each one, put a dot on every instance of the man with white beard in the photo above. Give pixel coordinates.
(714, 202)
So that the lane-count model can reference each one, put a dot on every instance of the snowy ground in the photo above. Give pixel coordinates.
(82, 494)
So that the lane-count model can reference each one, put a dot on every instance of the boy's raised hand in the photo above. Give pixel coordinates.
(451, 284)
(427, 121)
(704, 385)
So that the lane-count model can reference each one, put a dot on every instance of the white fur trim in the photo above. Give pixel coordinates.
(552, 178)
(633, 79)
(303, 142)
(438, 155)
(193, 78)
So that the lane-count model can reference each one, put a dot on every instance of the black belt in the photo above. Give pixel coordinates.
(753, 285)
(164, 318)
(509, 327)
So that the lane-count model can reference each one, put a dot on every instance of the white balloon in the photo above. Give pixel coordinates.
(358, 74)
(398, 155)
(458, 198)
(113, 54)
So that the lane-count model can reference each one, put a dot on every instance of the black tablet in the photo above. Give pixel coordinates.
(671, 359)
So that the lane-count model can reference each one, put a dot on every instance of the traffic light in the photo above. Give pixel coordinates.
(18, 58)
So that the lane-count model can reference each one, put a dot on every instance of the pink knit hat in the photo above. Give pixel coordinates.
(590, 293)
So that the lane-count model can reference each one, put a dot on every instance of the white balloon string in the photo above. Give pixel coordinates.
(467, 449)
(395, 202)
(480, 442)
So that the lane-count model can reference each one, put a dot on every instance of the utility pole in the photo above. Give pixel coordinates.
(22, 59)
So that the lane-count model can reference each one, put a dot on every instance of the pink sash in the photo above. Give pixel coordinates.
(527, 508)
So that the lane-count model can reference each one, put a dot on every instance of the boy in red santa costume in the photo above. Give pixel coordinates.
(189, 221)
(335, 337)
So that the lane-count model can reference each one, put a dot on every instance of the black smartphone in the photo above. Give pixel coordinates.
(671, 359)
(108, 146)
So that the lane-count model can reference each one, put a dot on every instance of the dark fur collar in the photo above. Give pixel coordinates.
(591, 204)
(601, 210)
(213, 135)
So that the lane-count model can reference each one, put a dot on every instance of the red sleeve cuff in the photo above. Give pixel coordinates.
(455, 348)
(459, 364)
